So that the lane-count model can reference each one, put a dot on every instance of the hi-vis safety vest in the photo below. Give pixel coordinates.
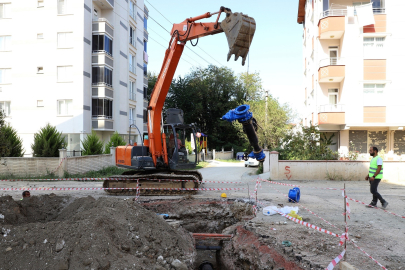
(374, 167)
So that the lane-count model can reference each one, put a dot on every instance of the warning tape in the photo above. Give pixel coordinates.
(335, 261)
(307, 224)
(100, 188)
(368, 255)
(306, 209)
(290, 185)
(118, 179)
(375, 207)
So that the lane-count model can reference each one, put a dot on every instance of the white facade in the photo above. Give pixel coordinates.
(48, 67)
(353, 74)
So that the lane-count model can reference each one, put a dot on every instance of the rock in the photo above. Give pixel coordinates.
(8, 249)
(178, 265)
(14, 244)
(87, 261)
(63, 265)
(32, 242)
(159, 267)
(25, 246)
(145, 248)
(104, 265)
(357, 236)
(59, 245)
(160, 259)
(125, 247)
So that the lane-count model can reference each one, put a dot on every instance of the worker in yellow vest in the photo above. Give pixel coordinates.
(375, 174)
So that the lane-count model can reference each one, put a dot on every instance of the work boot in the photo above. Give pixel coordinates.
(372, 204)
(384, 204)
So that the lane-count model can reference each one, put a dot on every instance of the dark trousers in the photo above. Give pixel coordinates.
(373, 190)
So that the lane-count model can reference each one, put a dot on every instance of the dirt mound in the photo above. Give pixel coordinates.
(52, 232)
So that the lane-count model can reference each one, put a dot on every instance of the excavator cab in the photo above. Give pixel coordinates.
(177, 133)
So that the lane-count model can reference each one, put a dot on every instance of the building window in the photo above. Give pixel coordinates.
(5, 75)
(64, 6)
(40, 103)
(132, 63)
(5, 43)
(132, 91)
(373, 42)
(132, 38)
(333, 96)
(5, 10)
(64, 107)
(102, 43)
(40, 70)
(132, 116)
(102, 108)
(65, 40)
(132, 9)
(145, 92)
(145, 23)
(102, 75)
(5, 107)
(40, 36)
(145, 69)
(65, 74)
(145, 116)
(40, 3)
(145, 47)
(373, 94)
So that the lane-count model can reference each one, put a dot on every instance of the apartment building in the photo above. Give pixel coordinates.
(353, 73)
(78, 65)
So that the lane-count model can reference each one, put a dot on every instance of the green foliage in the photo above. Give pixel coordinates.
(92, 145)
(306, 145)
(273, 126)
(205, 95)
(115, 140)
(47, 142)
(14, 141)
(188, 147)
(4, 144)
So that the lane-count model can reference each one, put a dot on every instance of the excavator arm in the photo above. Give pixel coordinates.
(239, 30)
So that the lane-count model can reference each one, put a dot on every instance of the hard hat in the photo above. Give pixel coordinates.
(223, 195)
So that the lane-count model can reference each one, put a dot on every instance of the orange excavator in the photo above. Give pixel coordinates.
(155, 164)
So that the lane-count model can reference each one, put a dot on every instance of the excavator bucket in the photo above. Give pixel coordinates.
(239, 30)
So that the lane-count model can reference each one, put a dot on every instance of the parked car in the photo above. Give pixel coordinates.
(251, 162)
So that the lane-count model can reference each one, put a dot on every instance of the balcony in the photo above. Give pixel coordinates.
(132, 96)
(105, 4)
(145, 34)
(331, 114)
(145, 57)
(331, 70)
(103, 25)
(102, 58)
(102, 124)
(102, 91)
(332, 27)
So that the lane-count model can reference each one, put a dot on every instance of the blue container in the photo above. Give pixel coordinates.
(294, 195)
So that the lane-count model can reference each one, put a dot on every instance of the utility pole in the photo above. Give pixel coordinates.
(265, 123)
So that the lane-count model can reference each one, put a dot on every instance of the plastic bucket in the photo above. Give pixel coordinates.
(294, 195)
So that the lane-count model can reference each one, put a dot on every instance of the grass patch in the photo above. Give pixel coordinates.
(105, 172)
(229, 160)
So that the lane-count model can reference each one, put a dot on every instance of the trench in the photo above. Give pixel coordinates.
(61, 232)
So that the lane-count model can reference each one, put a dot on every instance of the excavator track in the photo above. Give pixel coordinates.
(154, 179)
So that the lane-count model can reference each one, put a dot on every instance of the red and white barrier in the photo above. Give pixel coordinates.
(335, 261)
(376, 207)
(290, 185)
(118, 179)
(100, 188)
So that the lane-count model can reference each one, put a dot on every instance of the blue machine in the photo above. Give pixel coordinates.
(294, 195)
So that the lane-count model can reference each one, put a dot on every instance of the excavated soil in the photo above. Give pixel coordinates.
(53, 232)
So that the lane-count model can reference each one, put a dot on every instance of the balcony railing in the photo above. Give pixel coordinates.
(332, 108)
(332, 61)
(132, 96)
(343, 12)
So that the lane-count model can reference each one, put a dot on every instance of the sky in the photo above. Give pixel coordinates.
(275, 52)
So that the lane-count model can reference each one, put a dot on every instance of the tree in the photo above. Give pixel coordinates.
(14, 141)
(306, 145)
(4, 144)
(47, 142)
(115, 140)
(92, 145)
